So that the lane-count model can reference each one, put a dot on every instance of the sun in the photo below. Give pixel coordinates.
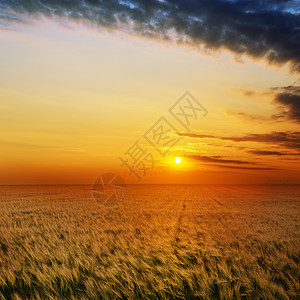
(178, 160)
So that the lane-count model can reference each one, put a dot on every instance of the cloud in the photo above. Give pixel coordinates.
(216, 159)
(220, 162)
(289, 98)
(265, 152)
(249, 93)
(245, 168)
(246, 92)
(273, 118)
(266, 29)
(288, 139)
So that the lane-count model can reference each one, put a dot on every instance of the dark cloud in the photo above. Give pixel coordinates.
(245, 168)
(265, 29)
(265, 152)
(286, 98)
(272, 118)
(289, 98)
(288, 139)
(216, 159)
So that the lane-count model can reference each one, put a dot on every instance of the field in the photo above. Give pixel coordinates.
(162, 242)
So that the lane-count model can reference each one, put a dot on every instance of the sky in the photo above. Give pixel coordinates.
(88, 87)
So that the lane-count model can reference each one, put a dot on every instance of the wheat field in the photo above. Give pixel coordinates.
(162, 242)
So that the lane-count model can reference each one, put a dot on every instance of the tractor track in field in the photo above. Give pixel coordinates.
(175, 241)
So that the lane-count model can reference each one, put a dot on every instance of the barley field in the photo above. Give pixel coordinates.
(161, 242)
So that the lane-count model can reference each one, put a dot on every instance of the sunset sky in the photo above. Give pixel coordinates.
(83, 81)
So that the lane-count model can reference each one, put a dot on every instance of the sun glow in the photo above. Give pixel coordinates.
(178, 160)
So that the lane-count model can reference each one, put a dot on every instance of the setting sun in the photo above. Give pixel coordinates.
(178, 160)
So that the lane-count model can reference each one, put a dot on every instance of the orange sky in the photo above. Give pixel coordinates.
(74, 100)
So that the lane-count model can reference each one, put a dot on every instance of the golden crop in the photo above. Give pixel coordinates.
(162, 242)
